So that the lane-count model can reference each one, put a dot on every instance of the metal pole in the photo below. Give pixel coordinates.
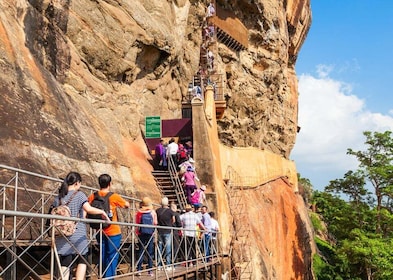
(13, 269)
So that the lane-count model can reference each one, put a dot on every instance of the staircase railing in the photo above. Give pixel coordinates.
(27, 251)
(177, 184)
(241, 242)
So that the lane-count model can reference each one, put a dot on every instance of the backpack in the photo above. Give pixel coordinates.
(63, 227)
(100, 202)
(195, 197)
(182, 153)
(146, 219)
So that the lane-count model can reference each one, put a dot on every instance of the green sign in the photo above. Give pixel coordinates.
(153, 127)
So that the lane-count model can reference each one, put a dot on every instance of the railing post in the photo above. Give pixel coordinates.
(3, 216)
(13, 258)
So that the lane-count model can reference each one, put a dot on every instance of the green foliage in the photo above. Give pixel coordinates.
(337, 214)
(368, 254)
(376, 165)
(325, 248)
(305, 188)
(360, 228)
(324, 267)
(352, 185)
(316, 222)
(322, 270)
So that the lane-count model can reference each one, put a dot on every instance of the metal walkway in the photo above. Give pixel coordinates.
(28, 252)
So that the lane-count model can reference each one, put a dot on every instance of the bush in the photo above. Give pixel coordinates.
(316, 222)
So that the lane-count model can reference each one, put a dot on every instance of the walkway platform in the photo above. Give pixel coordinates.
(27, 252)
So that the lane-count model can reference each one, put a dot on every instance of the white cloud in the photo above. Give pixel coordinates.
(332, 119)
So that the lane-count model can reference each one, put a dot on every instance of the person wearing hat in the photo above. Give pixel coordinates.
(190, 222)
(165, 218)
(189, 178)
(198, 197)
(146, 215)
(184, 165)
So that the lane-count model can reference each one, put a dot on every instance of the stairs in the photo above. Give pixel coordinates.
(241, 243)
(164, 183)
(169, 184)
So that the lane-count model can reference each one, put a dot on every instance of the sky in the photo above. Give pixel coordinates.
(345, 71)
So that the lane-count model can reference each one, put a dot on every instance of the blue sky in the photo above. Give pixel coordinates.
(345, 71)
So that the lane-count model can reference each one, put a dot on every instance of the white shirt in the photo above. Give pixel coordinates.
(172, 148)
(214, 227)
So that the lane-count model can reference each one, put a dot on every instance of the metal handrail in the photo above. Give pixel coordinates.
(16, 250)
(23, 229)
(177, 184)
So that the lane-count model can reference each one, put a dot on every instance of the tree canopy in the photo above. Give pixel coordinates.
(357, 211)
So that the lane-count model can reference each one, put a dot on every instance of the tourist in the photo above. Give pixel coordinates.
(206, 220)
(172, 149)
(211, 11)
(164, 165)
(111, 236)
(188, 179)
(178, 254)
(166, 218)
(182, 154)
(146, 215)
(214, 229)
(184, 165)
(190, 222)
(74, 249)
(198, 197)
(188, 146)
(158, 155)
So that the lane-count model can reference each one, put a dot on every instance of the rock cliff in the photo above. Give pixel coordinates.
(78, 78)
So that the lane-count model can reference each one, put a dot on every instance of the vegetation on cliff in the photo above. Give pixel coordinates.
(357, 211)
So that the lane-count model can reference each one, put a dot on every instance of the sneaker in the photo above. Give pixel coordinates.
(170, 268)
(138, 274)
(160, 268)
(151, 274)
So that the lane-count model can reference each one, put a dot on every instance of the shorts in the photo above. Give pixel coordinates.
(70, 259)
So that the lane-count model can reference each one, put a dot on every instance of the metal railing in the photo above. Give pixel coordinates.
(177, 184)
(241, 243)
(28, 247)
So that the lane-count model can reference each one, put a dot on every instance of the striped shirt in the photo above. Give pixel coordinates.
(79, 238)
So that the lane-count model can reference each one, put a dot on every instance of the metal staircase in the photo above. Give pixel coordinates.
(170, 185)
(208, 71)
(240, 244)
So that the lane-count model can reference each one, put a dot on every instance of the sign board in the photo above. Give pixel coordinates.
(153, 127)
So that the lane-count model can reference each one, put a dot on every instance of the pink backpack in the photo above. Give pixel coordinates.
(195, 196)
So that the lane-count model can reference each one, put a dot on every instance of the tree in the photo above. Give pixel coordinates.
(375, 164)
(305, 188)
(353, 185)
(362, 225)
(369, 255)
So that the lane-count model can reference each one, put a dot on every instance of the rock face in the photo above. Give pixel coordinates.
(78, 78)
